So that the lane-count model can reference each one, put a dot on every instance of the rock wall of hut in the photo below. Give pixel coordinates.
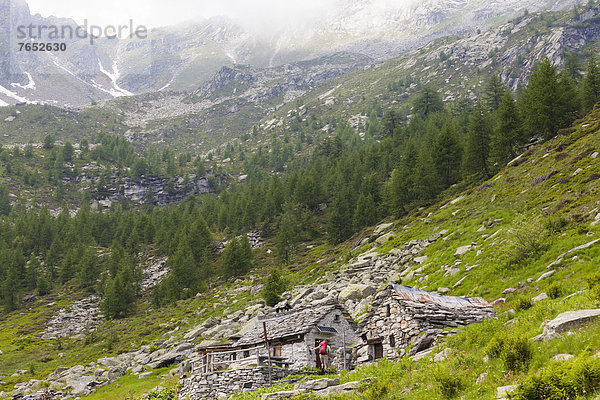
(403, 324)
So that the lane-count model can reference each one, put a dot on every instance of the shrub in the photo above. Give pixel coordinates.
(165, 394)
(593, 282)
(448, 381)
(562, 380)
(523, 303)
(555, 290)
(517, 353)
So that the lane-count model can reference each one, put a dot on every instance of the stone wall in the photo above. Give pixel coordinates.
(402, 323)
(224, 383)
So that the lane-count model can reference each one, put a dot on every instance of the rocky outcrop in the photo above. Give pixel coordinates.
(154, 272)
(81, 380)
(566, 322)
(164, 190)
(76, 321)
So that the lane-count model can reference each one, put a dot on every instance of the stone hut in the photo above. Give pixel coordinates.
(402, 317)
(292, 336)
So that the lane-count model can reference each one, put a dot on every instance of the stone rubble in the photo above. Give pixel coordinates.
(81, 380)
(76, 321)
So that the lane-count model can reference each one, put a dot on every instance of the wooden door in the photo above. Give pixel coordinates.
(378, 350)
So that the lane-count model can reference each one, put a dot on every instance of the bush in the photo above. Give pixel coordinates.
(523, 303)
(448, 381)
(165, 394)
(275, 285)
(562, 380)
(516, 352)
(555, 290)
(593, 282)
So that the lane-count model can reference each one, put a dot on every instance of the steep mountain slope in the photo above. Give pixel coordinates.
(525, 227)
(184, 56)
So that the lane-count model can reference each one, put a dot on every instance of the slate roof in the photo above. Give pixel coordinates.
(294, 323)
(421, 296)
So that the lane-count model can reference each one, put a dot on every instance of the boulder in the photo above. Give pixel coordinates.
(145, 374)
(546, 275)
(503, 392)
(461, 251)
(280, 395)
(570, 320)
(421, 260)
(116, 373)
(540, 297)
(355, 292)
(382, 228)
(383, 239)
(562, 357)
(318, 384)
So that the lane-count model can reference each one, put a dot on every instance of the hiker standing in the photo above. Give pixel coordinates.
(324, 350)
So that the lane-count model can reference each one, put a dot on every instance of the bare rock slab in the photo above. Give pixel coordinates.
(571, 320)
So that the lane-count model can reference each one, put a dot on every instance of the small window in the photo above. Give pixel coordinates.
(392, 341)
(388, 310)
(336, 318)
(276, 351)
(246, 354)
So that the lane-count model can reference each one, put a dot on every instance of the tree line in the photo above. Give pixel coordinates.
(346, 183)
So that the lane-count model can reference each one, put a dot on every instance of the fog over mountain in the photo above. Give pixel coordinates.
(209, 36)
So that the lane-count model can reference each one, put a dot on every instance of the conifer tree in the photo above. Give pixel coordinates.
(591, 84)
(237, 257)
(447, 155)
(426, 181)
(365, 213)
(494, 91)
(287, 237)
(274, 286)
(427, 102)
(508, 133)
(478, 143)
(5, 206)
(549, 102)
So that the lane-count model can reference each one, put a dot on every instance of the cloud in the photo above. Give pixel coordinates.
(155, 13)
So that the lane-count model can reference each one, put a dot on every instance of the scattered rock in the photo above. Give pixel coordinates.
(503, 392)
(145, 375)
(540, 297)
(499, 302)
(582, 247)
(443, 355)
(461, 251)
(562, 357)
(382, 228)
(383, 239)
(79, 319)
(355, 292)
(546, 275)
(595, 155)
(421, 260)
(318, 384)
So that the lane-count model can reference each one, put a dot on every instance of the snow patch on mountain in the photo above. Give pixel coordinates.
(30, 85)
(114, 76)
(13, 95)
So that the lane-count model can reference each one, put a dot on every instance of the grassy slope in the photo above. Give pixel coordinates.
(572, 199)
(569, 197)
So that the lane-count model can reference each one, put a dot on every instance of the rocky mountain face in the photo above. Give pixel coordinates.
(182, 57)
